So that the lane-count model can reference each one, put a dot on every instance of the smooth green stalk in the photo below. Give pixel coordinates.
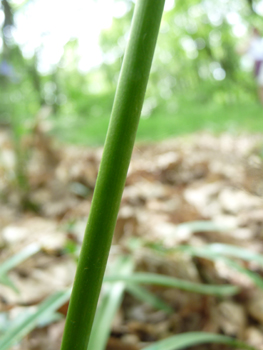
(112, 174)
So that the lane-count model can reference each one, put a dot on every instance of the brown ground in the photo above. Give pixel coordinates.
(202, 177)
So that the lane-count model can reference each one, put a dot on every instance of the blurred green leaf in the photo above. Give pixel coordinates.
(182, 341)
(155, 279)
(258, 281)
(26, 322)
(109, 304)
(204, 226)
(148, 297)
(49, 318)
(4, 279)
(19, 257)
(236, 252)
(220, 251)
(15, 260)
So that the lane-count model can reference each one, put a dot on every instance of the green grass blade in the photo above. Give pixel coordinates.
(109, 305)
(7, 282)
(182, 341)
(148, 297)
(204, 226)
(212, 252)
(15, 260)
(18, 258)
(258, 281)
(26, 324)
(155, 279)
(236, 252)
(219, 249)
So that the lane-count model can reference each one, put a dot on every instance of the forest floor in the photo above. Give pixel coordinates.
(198, 191)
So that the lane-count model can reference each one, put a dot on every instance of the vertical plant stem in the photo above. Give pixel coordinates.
(112, 174)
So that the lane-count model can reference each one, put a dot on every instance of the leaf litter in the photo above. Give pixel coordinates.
(196, 190)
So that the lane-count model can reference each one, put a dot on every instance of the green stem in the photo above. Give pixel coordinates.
(112, 174)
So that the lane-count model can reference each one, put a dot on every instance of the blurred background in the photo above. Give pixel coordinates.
(61, 60)
(192, 205)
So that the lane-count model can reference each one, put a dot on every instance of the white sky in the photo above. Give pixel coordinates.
(50, 24)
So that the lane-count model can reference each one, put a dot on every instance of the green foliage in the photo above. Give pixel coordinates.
(182, 341)
(221, 252)
(119, 279)
(29, 319)
(160, 280)
(15, 260)
(147, 297)
(217, 251)
(170, 119)
(195, 48)
(109, 305)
